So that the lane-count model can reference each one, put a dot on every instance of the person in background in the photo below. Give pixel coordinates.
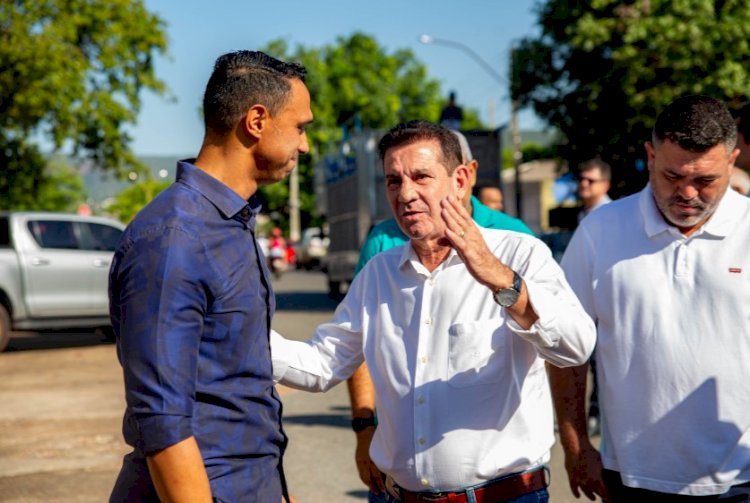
(594, 178)
(191, 301)
(455, 326)
(664, 275)
(385, 236)
(490, 196)
(277, 245)
(452, 115)
(740, 181)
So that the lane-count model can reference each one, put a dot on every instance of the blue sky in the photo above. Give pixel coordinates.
(201, 30)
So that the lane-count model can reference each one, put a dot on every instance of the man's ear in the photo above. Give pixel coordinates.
(256, 121)
(462, 179)
(733, 158)
(473, 167)
(650, 154)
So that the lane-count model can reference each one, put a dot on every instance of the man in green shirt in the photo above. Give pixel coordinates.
(382, 237)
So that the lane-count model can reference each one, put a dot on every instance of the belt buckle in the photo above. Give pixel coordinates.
(433, 497)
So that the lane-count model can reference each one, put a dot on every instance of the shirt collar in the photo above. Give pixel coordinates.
(720, 224)
(227, 201)
(605, 199)
(727, 214)
(409, 256)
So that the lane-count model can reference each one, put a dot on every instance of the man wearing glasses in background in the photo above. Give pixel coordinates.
(593, 184)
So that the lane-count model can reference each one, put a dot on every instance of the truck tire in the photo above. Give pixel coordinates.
(107, 333)
(4, 328)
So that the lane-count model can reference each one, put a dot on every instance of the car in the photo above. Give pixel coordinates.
(54, 271)
(312, 248)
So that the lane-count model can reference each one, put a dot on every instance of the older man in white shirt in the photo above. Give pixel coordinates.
(455, 327)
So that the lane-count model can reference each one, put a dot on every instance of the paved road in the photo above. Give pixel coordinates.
(62, 400)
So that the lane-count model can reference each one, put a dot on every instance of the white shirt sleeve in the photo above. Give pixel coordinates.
(564, 334)
(332, 354)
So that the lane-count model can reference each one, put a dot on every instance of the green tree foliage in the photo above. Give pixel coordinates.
(62, 188)
(57, 186)
(130, 201)
(71, 72)
(355, 83)
(601, 70)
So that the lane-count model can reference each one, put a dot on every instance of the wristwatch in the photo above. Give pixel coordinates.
(506, 297)
(360, 423)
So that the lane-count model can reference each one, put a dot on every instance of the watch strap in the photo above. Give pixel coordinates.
(516, 282)
(360, 423)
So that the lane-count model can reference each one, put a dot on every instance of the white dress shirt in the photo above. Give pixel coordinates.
(462, 393)
(673, 347)
(605, 199)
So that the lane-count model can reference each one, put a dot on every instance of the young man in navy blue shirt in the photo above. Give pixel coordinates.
(191, 301)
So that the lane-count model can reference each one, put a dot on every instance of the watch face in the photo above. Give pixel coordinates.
(506, 297)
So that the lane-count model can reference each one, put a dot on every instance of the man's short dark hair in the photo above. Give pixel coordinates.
(696, 123)
(596, 163)
(742, 116)
(242, 79)
(413, 131)
(478, 188)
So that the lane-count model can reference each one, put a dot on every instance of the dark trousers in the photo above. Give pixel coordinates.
(623, 494)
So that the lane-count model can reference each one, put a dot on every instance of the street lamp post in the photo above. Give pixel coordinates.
(294, 210)
(514, 130)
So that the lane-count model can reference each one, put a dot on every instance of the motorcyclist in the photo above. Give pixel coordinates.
(277, 260)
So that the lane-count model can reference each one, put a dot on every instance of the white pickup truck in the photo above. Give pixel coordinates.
(54, 271)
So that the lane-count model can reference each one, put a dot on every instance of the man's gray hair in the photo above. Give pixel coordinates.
(466, 156)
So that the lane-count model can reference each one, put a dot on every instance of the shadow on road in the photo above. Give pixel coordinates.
(362, 494)
(339, 417)
(75, 338)
(336, 420)
(304, 301)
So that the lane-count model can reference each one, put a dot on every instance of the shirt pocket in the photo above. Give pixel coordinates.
(477, 353)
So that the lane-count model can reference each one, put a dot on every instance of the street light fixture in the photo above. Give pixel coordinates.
(514, 130)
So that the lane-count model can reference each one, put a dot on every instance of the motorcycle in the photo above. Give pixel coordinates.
(277, 262)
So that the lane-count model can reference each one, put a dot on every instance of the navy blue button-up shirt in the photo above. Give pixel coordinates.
(191, 306)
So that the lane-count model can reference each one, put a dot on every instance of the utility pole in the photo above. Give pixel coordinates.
(515, 133)
(294, 220)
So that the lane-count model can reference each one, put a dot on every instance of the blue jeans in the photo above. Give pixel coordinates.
(540, 496)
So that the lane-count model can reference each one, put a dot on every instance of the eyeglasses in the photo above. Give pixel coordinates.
(583, 179)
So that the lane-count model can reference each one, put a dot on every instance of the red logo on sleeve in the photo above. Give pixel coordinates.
(735, 270)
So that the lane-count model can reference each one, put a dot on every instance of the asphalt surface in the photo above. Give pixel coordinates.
(61, 404)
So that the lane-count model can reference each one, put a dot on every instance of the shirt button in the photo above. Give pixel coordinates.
(424, 359)
(425, 482)
(422, 441)
(428, 321)
(420, 400)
